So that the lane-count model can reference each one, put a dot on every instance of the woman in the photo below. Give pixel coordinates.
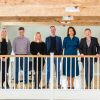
(5, 49)
(70, 46)
(38, 47)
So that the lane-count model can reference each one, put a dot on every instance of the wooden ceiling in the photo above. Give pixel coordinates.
(50, 11)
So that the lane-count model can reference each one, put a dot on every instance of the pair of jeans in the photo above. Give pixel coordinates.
(57, 68)
(22, 63)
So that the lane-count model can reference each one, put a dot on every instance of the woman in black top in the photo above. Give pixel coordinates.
(5, 49)
(38, 47)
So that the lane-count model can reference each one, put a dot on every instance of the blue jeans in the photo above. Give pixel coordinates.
(57, 68)
(23, 64)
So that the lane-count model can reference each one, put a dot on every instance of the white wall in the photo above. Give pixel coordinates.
(45, 31)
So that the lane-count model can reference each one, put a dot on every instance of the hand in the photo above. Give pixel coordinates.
(38, 54)
(82, 54)
(97, 54)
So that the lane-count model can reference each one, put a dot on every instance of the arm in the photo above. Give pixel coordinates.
(45, 49)
(46, 46)
(28, 47)
(81, 47)
(97, 45)
(78, 44)
(9, 47)
(32, 49)
(14, 46)
(61, 50)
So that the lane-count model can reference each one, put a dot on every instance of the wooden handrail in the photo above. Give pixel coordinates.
(57, 56)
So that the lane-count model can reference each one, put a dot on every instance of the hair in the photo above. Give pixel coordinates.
(52, 26)
(21, 28)
(35, 36)
(6, 34)
(87, 29)
(72, 29)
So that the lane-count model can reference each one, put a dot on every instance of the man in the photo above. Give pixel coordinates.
(54, 45)
(88, 46)
(21, 46)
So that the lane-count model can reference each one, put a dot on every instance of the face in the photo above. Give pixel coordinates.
(4, 33)
(21, 33)
(53, 31)
(38, 37)
(88, 33)
(71, 32)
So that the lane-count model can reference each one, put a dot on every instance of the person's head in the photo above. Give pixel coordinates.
(53, 30)
(3, 33)
(38, 37)
(21, 31)
(71, 31)
(87, 32)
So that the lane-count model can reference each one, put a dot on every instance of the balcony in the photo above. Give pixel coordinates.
(30, 91)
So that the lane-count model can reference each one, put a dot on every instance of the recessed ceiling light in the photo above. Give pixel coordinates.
(72, 9)
(67, 18)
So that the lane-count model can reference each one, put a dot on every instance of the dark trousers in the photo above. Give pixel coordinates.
(37, 79)
(38, 67)
(88, 71)
(5, 68)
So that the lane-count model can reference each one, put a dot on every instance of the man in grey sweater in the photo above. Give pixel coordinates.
(21, 46)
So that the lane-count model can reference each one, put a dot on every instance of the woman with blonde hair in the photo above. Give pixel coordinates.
(5, 49)
(38, 47)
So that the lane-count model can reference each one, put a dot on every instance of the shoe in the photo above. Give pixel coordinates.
(16, 86)
(68, 87)
(47, 86)
(86, 87)
(25, 86)
(59, 86)
(72, 87)
(3, 87)
(7, 86)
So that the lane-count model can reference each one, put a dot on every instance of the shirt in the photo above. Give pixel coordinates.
(88, 40)
(53, 45)
(21, 45)
(4, 47)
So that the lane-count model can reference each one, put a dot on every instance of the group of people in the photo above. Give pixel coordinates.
(21, 46)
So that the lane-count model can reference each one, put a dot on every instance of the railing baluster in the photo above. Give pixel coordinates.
(88, 73)
(46, 73)
(57, 72)
(51, 70)
(93, 72)
(14, 72)
(1, 73)
(23, 71)
(19, 72)
(28, 73)
(84, 71)
(41, 71)
(10, 74)
(5, 72)
(66, 73)
(32, 71)
(75, 72)
(98, 73)
(70, 73)
(37, 75)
